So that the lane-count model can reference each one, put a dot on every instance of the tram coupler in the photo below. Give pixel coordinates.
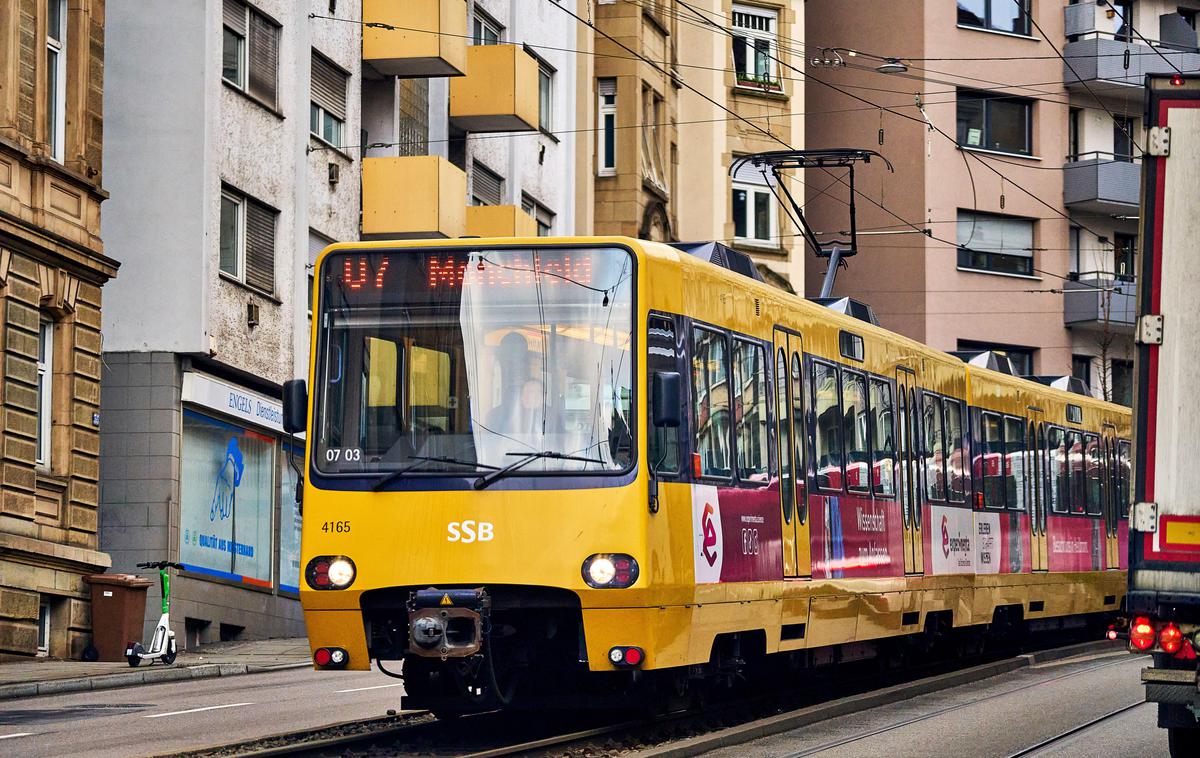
(447, 623)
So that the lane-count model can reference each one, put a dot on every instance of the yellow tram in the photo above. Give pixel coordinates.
(547, 466)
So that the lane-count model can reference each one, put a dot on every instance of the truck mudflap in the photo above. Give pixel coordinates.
(1172, 686)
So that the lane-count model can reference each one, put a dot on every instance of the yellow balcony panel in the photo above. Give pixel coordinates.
(429, 38)
(499, 93)
(499, 221)
(413, 197)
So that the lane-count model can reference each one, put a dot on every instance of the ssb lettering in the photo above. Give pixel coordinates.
(469, 531)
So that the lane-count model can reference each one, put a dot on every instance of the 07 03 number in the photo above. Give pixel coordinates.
(338, 527)
(335, 454)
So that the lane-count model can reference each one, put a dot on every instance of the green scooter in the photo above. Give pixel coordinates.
(162, 646)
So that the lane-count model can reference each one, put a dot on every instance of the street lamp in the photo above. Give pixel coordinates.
(891, 66)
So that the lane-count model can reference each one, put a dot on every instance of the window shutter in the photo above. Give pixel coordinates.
(235, 16)
(328, 86)
(264, 58)
(486, 185)
(606, 86)
(260, 246)
(748, 173)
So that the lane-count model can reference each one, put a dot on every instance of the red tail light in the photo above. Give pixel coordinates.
(1170, 639)
(1177, 80)
(1141, 634)
(321, 656)
(1187, 652)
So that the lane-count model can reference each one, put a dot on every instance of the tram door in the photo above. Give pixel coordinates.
(1110, 497)
(910, 478)
(790, 436)
(1037, 495)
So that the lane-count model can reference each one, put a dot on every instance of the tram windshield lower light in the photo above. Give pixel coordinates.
(610, 571)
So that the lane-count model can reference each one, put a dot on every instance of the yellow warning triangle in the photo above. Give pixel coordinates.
(446, 599)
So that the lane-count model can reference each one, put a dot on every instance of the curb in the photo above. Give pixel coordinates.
(134, 678)
(787, 722)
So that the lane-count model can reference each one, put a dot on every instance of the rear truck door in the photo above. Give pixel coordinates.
(1164, 548)
(790, 436)
(1036, 444)
(910, 477)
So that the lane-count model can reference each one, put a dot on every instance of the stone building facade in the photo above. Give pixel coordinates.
(52, 268)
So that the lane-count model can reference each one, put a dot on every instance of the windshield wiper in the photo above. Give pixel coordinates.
(488, 480)
(422, 460)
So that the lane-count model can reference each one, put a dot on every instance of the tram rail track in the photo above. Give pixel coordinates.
(497, 734)
(1050, 742)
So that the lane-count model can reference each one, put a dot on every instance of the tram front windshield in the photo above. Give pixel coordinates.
(455, 361)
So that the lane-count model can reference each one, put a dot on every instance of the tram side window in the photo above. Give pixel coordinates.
(882, 439)
(1056, 464)
(829, 427)
(801, 434)
(787, 485)
(935, 449)
(750, 411)
(1014, 463)
(993, 461)
(956, 470)
(1075, 472)
(710, 390)
(854, 431)
(660, 356)
(1094, 471)
(1125, 472)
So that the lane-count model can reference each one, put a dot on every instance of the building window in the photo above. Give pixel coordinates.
(43, 646)
(754, 215)
(1074, 117)
(1122, 382)
(412, 126)
(995, 122)
(247, 241)
(1081, 368)
(485, 30)
(652, 155)
(227, 500)
(327, 109)
(1003, 244)
(1124, 252)
(45, 390)
(756, 47)
(998, 15)
(606, 115)
(250, 52)
(1073, 241)
(487, 187)
(1123, 145)
(545, 97)
(543, 215)
(1122, 20)
(56, 76)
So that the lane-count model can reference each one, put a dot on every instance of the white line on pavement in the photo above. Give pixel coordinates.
(18, 734)
(376, 687)
(194, 710)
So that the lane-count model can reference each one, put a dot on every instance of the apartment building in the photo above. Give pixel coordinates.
(52, 268)
(263, 132)
(680, 91)
(1022, 167)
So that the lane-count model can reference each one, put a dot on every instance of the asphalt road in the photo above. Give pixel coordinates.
(996, 717)
(165, 718)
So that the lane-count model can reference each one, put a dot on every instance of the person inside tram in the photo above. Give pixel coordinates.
(516, 411)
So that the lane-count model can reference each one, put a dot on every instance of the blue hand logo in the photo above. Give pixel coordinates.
(228, 478)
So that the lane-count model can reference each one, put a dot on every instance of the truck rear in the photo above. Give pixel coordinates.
(1164, 546)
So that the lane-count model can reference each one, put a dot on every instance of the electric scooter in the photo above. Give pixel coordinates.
(162, 646)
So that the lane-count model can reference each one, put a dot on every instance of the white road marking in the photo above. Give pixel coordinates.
(194, 710)
(376, 687)
(18, 734)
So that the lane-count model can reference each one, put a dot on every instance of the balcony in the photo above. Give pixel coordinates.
(413, 197)
(500, 94)
(499, 221)
(1096, 50)
(1099, 301)
(1099, 183)
(429, 38)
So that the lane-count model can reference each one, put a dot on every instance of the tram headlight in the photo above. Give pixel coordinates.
(610, 571)
(330, 572)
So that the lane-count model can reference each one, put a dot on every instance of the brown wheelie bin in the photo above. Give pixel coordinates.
(118, 610)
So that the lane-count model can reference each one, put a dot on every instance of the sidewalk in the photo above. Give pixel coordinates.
(46, 677)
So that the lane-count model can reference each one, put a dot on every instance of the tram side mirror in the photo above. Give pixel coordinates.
(664, 398)
(295, 405)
